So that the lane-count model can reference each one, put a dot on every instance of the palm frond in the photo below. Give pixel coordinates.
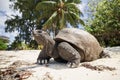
(68, 17)
(81, 22)
(62, 20)
(44, 14)
(50, 20)
(73, 7)
(72, 1)
(45, 5)
(76, 17)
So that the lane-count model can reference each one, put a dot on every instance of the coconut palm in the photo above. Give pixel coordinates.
(58, 13)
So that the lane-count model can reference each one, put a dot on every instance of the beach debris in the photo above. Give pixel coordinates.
(11, 73)
(98, 67)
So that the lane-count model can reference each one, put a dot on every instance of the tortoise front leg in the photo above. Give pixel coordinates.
(67, 52)
(43, 58)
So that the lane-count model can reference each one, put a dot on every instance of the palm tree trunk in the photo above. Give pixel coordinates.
(55, 30)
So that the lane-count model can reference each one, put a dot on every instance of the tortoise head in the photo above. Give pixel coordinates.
(41, 36)
(44, 39)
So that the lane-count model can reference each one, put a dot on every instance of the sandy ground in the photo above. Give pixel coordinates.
(101, 69)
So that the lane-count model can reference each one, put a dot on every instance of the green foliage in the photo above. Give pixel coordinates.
(3, 45)
(3, 42)
(16, 45)
(25, 22)
(105, 22)
(58, 13)
(21, 45)
(4, 39)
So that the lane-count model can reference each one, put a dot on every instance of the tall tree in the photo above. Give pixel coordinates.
(105, 23)
(25, 22)
(58, 13)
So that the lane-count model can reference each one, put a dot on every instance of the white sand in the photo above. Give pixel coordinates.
(59, 71)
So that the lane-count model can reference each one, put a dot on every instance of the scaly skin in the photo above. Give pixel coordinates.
(68, 53)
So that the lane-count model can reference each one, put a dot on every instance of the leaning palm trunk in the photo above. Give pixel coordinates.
(55, 30)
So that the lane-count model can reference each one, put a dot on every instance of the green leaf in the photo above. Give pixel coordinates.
(45, 5)
(50, 20)
(62, 20)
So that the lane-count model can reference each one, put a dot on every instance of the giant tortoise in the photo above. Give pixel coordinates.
(70, 45)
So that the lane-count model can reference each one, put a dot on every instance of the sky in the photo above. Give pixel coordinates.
(5, 11)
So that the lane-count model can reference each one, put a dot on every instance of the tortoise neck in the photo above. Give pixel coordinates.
(49, 46)
(49, 41)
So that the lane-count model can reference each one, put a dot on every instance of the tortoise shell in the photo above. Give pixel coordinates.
(85, 43)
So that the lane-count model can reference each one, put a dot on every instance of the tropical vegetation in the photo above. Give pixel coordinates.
(104, 22)
(51, 15)
(3, 42)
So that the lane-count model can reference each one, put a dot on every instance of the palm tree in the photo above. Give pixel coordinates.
(58, 13)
